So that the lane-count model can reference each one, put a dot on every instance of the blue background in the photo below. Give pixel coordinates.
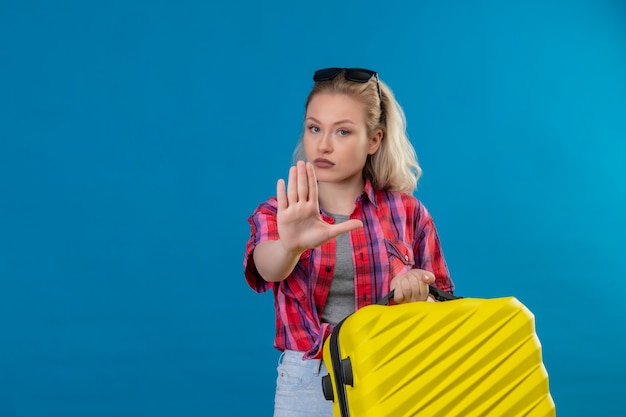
(137, 136)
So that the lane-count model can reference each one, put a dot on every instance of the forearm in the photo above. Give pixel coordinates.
(273, 262)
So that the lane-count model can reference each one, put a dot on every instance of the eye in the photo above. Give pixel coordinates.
(343, 132)
(313, 128)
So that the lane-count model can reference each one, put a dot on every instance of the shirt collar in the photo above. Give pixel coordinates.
(369, 192)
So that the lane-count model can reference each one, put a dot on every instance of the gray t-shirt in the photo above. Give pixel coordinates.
(340, 302)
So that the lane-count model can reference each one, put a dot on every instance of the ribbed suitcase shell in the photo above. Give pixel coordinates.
(466, 357)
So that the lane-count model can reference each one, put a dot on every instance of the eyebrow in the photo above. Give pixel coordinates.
(339, 122)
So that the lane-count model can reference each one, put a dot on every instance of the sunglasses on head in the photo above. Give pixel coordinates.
(357, 75)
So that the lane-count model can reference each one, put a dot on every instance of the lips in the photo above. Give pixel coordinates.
(323, 163)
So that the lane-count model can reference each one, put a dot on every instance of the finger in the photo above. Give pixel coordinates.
(428, 277)
(407, 289)
(397, 291)
(280, 194)
(310, 172)
(292, 191)
(402, 292)
(416, 287)
(398, 295)
(303, 182)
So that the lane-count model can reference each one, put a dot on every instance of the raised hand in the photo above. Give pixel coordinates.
(300, 225)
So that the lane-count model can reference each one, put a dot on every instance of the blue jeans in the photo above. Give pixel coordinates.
(299, 387)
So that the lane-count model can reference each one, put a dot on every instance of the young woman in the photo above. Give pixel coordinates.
(343, 230)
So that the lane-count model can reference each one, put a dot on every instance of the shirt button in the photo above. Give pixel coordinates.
(328, 269)
(406, 258)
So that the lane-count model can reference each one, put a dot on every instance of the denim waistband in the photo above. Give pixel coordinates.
(294, 358)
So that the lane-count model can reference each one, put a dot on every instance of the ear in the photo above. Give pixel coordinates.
(375, 142)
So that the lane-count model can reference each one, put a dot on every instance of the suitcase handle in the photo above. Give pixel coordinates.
(439, 295)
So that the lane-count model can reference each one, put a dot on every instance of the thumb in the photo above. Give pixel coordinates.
(349, 225)
(428, 278)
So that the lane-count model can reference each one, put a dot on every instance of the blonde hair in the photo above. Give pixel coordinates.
(394, 166)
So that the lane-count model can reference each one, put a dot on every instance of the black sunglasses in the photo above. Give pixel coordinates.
(357, 75)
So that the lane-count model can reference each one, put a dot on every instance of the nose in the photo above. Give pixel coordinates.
(324, 145)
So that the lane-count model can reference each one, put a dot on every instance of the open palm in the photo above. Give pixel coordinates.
(300, 224)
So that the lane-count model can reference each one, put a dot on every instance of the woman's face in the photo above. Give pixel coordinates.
(335, 138)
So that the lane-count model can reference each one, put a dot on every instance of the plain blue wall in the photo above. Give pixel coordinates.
(137, 136)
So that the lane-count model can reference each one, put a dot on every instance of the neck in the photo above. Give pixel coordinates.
(339, 198)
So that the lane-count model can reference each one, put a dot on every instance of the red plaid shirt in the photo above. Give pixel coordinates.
(398, 234)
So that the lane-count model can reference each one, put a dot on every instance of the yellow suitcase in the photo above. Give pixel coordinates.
(465, 357)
